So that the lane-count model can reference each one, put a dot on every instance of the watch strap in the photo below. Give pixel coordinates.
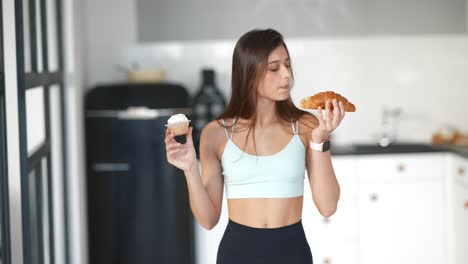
(323, 146)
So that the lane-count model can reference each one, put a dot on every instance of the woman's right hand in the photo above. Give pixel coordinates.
(182, 156)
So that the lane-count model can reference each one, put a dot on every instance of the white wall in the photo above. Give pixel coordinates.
(183, 20)
(74, 79)
(109, 26)
(370, 71)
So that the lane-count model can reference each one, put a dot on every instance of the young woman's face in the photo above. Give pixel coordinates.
(275, 83)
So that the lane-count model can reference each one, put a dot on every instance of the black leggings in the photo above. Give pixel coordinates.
(249, 245)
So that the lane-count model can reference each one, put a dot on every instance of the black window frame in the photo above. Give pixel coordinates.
(33, 163)
(5, 243)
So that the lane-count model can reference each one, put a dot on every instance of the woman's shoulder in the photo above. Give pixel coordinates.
(214, 130)
(213, 137)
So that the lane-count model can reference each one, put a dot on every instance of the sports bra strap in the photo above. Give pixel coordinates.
(295, 127)
(225, 130)
(233, 125)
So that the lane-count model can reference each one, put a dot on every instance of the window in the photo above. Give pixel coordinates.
(39, 62)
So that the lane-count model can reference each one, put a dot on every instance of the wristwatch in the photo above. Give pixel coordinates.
(324, 146)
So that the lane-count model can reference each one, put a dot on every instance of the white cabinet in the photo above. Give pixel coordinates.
(404, 168)
(457, 187)
(401, 217)
(401, 223)
(460, 224)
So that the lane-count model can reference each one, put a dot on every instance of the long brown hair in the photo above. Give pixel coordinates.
(249, 64)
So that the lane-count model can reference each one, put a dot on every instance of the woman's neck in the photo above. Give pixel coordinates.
(266, 112)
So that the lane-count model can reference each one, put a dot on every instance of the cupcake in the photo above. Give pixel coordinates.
(178, 124)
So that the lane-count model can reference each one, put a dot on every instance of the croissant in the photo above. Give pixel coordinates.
(319, 99)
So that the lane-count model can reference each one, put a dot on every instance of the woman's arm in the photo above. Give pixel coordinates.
(324, 185)
(205, 190)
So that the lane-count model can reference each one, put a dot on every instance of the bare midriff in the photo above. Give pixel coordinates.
(266, 212)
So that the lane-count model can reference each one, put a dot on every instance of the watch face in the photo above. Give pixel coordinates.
(326, 146)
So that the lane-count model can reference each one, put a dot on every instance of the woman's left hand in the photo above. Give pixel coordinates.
(330, 123)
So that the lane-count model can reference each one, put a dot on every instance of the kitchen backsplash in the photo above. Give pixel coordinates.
(424, 76)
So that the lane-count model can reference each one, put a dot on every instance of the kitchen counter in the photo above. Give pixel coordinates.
(398, 148)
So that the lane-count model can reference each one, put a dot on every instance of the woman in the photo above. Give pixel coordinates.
(259, 149)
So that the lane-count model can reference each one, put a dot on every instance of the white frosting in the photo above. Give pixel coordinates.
(177, 118)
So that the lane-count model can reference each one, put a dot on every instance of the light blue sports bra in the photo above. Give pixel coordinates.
(280, 175)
